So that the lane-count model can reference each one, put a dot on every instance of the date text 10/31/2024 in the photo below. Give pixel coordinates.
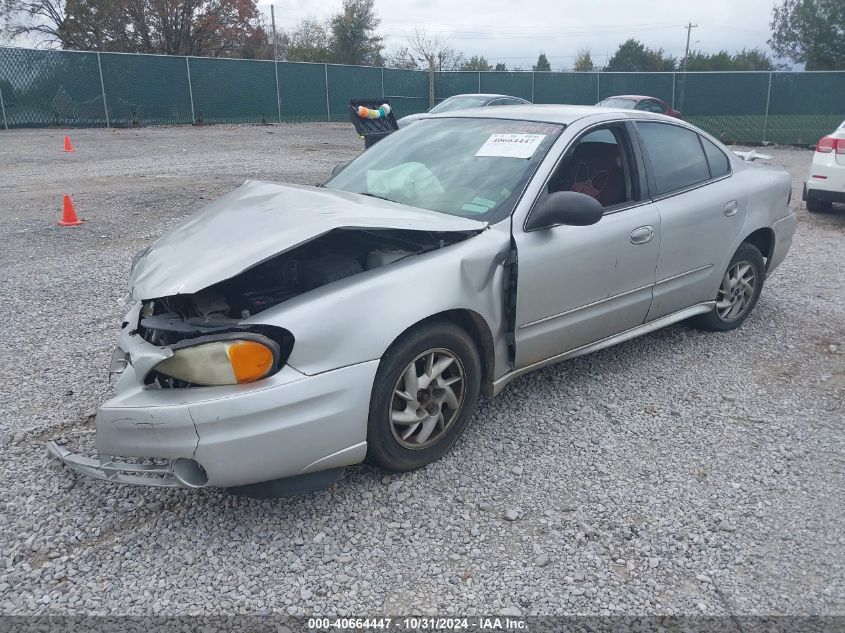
(492, 623)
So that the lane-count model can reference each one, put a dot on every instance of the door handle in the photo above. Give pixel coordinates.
(642, 235)
(731, 208)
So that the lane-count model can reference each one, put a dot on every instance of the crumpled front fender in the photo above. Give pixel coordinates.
(356, 319)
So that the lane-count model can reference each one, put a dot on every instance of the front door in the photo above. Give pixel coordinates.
(580, 284)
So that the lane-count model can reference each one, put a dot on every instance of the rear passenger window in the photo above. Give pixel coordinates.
(719, 165)
(676, 156)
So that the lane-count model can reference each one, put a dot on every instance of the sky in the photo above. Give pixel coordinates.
(515, 32)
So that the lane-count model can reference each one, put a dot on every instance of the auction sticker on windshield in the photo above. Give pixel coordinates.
(511, 145)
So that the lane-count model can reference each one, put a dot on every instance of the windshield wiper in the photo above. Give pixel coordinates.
(374, 195)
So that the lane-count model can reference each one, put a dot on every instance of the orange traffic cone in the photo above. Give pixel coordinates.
(68, 145)
(69, 214)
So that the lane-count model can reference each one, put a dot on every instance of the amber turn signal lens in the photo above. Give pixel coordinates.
(250, 360)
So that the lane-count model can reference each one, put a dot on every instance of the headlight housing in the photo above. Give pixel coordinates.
(230, 359)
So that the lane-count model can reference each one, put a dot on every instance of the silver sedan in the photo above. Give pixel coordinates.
(463, 102)
(285, 332)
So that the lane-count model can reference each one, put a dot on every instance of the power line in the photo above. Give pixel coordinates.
(522, 31)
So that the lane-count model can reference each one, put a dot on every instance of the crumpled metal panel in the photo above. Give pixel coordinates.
(333, 325)
(260, 220)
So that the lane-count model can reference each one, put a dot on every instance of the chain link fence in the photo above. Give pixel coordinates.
(47, 88)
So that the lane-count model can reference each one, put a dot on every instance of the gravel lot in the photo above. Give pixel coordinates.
(682, 472)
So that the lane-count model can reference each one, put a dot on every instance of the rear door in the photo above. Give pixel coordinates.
(702, 209)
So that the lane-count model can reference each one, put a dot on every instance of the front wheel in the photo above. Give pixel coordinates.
(738, 293)
(425, 392)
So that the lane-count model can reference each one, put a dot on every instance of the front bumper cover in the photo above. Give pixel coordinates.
(286, 425)
(125, 472)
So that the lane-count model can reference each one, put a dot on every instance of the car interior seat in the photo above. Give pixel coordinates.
(594, 169)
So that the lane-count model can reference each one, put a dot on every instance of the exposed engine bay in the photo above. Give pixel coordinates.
(331, 257)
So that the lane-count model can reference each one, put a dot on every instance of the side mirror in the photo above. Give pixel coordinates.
(565, 207)
(340, 167)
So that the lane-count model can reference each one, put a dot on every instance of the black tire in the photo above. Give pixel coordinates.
(384, 446)
(714, 321)
(814, 205)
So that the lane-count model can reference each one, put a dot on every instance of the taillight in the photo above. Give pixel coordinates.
(829, 144)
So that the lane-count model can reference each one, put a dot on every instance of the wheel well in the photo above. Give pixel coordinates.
(477, 328)
(764, 241)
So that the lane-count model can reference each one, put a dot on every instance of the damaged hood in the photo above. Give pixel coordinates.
(260, 220)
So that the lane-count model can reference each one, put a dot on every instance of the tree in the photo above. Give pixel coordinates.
(754, 59)
(810, 32)
(309, 42)
(584, 61)
(633, 56)
(476, 63)
(354, 40)
(72, 24)
(500, 66)
(170, 27)
(542, 63)
(433, 51)
(746, 59)
(401, 58)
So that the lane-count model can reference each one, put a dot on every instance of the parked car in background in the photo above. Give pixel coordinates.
(826, 181)
(464, 102)
(640, 102)
(288, 331)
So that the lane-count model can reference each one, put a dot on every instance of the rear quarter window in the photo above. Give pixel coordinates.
(719, 163)
(676, 155)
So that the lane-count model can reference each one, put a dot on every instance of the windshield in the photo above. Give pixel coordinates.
(627, 104)
(459, 103)
(473, 168)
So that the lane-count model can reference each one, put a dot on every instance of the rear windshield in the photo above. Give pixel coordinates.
(627, 104)
(469, 167)
(458, 103)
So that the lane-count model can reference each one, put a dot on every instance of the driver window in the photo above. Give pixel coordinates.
(599, 166)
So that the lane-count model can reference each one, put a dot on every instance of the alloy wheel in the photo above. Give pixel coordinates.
(736, 292)
(427, 398)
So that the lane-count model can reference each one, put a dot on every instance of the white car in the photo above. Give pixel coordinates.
(826, 182)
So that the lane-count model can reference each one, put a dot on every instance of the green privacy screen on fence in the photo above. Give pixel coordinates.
(406, 91)
(234, 90)
(302, 91)
(44, 88)
(142, 88)
(41, 89)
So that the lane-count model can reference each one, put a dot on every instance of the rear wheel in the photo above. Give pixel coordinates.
(425, 392)
(738, 292)
(814, 205)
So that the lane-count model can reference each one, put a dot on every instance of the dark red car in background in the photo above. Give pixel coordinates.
(639, 102)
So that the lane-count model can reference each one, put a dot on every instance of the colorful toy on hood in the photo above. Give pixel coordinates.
(370, 113)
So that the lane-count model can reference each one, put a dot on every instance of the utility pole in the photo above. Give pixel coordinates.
(689, 27)
(276, 40)
(430, 81)
(276, 63)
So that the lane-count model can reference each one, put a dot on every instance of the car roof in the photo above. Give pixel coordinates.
(487, 95)
(546, 113)
(633, 97)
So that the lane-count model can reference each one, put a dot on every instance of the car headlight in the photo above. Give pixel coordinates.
(238, 359)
